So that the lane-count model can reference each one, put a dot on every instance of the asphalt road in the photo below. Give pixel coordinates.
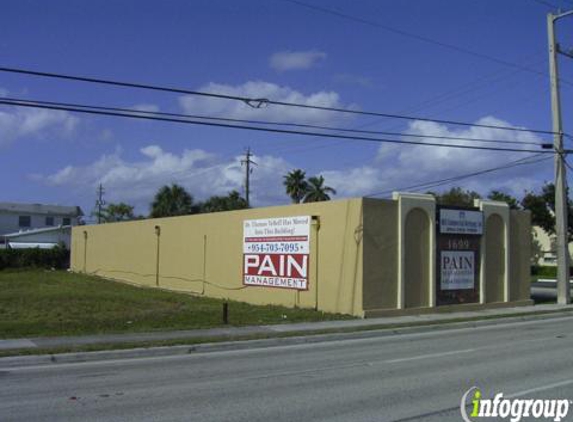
(411, 377)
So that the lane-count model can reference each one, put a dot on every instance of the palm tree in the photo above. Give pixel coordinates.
(233, 201)
(296, 185)
(317, 191)
(118, 212)
(170, 201)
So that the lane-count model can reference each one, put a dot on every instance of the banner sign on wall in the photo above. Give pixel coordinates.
(457, 270)
(458, 239)
(276, 251)
(461, 222)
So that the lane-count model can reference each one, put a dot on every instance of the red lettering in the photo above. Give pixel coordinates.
(276, 265)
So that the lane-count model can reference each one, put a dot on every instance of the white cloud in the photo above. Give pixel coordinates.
(440, 160)
(258, 89)
(150, 108)
(17, 123)
(295, 60)
(200, 172)
(353, 181)
(402, 166)
(204, 174)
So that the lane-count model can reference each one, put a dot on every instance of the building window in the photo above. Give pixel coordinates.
(24, 221)
(49, 221)
(66, 221)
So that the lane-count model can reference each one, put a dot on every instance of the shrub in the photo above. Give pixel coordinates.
(546, 271)
(57, 257)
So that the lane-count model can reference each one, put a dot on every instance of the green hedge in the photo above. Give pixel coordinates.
(57, 257)
(546, 271)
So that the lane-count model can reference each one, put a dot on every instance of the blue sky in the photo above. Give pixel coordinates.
(279, 50)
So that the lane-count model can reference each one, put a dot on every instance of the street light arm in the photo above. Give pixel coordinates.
(561, 15)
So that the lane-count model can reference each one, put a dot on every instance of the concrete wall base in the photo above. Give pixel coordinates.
(377, 313)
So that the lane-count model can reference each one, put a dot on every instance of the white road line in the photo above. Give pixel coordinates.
(431, 355)
(541, 388)
(303, 346)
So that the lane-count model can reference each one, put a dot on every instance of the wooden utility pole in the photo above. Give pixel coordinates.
(99, 202)
(248, 170)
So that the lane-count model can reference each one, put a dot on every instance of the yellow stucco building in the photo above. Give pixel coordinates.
(362, 256)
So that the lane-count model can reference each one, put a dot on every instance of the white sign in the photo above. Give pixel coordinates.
(457, 270)
(461, 222)
(276, 251)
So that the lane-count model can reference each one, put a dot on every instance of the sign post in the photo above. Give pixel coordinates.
(276, 252)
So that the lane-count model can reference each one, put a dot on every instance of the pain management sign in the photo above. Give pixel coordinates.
(275, 252)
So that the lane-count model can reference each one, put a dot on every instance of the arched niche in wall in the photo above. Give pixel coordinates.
(417, 267)
(494, 259)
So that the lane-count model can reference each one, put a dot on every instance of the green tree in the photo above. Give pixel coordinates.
(536, 248)
(117, 212)
(171, 201)
(541, 214)
(317, 191)
(496, 195)
(456, 196)
(233, 201)
(542, 207)
(296, 185)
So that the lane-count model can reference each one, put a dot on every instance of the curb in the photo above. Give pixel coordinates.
(297, 338)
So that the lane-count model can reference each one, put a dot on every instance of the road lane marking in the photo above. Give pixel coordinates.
(424, 416)
(265, 349)
(134, 362)
(431, 355)
(541, 388)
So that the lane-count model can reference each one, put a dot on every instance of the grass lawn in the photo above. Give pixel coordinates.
(53, 303)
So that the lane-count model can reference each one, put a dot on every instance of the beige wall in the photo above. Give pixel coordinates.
(520, 255)
(505, 256)
(355, 256)
(202, 254)
(494, 259)
(380, 254)
(417, 265)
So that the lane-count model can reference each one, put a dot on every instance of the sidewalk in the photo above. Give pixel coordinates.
(281, 330)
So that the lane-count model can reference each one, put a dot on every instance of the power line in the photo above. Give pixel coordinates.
(286, 124)
(131, 114)
(337, 143)
(417, 37)
(258, 103)
(435, 183)
(450, 180)
(445, 96)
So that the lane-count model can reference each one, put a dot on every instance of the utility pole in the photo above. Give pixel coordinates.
(561, 200)
(248, 170)
(99, 202)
